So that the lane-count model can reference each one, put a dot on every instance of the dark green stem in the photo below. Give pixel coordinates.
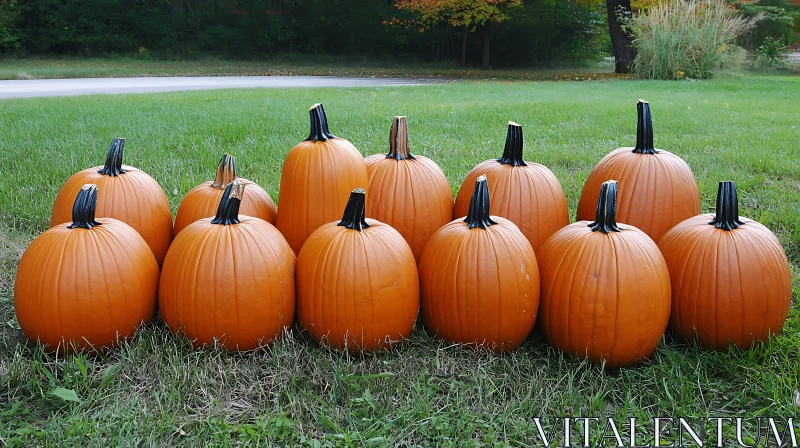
(84, 207)
(398, 140)
(478, 215)
(606, 217)
(644, 130)
(113, 166)
(226, 172)
(353, 217)
(727, 217)
(228, 210)
(319, 125)
(512, 153)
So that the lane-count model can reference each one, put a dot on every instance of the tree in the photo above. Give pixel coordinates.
(621, 39)
(466, 14)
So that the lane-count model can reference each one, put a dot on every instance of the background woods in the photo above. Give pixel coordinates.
(532, 31)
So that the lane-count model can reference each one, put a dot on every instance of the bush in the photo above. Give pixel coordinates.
(780, 21)
(771, 54)
(692, 39)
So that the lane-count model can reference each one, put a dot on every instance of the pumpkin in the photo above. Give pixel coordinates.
(357, 283)
(605, 288)
(202, 201)
(125, 193)
(657, 189)
(408, 192)
(85, 284)
(228, 279)
(317, 177)
(528, 194)
(479, 279)
(731, 282)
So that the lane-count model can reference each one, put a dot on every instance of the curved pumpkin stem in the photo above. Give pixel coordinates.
(319, 125)
(512, 153)
(398, 140)
(228, 210)
(226, 172)
(353, 217)
(478, 215)
(644, 129)
(606, 217)
(84, 207)
(113, 166)
(727, 217)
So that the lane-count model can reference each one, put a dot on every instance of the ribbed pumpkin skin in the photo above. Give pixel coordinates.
(412, 195)
(480, 286)
(316, 181)
(656, 191)
(133, 197)
(357, 289)
(726, 285)
(202, 201)
(529, 196)
(604, 296)
(87, 287)
(232, 282)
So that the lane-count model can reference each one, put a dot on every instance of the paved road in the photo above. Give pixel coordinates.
(88, 86)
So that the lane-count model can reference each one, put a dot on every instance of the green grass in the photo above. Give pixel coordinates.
(157, 390)
(37, 68)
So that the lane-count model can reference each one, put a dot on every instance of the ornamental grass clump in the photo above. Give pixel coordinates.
(688, 39)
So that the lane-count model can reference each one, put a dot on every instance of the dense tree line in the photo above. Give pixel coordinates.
(536, 30)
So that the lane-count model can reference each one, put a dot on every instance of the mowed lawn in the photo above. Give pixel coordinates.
(157, 390)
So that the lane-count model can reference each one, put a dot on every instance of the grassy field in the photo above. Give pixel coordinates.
(156, 390)
(32, 68)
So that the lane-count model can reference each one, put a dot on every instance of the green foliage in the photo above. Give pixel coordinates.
(771, 54)
(692, 39)
(536, 31)
(780, 21)
(9, 32)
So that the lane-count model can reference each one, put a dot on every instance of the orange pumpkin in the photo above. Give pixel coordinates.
(605, 288)
(202, 200)
(88, 283)
(528, 194)
(657, 189)
(228, 279)
(479, 279)
(317, 177)
(357, 284)
(731, 282)
(410, 193)
(126, 194)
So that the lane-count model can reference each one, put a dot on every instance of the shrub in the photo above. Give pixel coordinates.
(692, 39)
(771, 54)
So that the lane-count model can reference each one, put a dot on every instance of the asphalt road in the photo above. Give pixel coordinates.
(89, 86)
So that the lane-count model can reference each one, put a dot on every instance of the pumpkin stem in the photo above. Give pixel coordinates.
(84, 207)
(113, 166)
(398, 140)
(478, 215)
(226, 172)
(644, 130)
(727, 217)
(228, 210)
(319, 125)
(512, 154)
(606, 217)
(353, 217)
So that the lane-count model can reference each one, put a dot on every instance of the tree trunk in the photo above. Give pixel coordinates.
(624, 53)
(464, 46)
(487, 45)
(437, 54)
